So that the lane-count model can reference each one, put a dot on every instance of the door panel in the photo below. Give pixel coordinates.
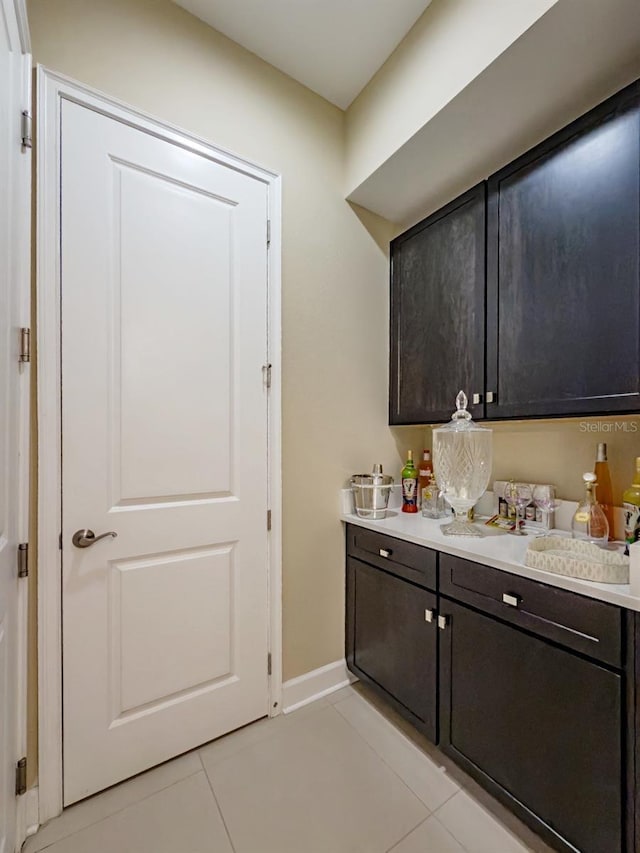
(164, 424)
(181, 237)
(540, 723)
(563, 270)
(184, 603)
(437, 313)
(391, 642)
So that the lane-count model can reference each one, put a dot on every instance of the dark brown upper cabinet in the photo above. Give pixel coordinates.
(560, 292)
(437, 313)
(563, 279)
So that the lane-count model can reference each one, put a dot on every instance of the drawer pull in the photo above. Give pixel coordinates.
(442, 622)
(428, 615)
(385, 552)
(511, 600)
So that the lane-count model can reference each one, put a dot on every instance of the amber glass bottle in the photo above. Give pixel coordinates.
(604, 492)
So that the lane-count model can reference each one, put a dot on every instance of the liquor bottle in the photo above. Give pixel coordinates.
(631, 506)
(425, 472)
(605, 492)
(409, 485)
(589, 521)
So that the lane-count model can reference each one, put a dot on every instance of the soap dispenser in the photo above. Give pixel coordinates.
(589, 521)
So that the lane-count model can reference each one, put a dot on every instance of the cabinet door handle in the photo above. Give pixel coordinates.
(490, 396)
(428, 615)
(510, 599)
(442, 622)
(384, 552)
(477, 398)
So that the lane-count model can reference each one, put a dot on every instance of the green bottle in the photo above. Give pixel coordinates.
(409, 485)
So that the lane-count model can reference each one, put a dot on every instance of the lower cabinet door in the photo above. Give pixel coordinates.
(392, 641)
(538, 725)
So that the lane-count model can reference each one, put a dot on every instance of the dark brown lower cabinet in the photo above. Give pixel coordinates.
(391, 645)
(541, 727)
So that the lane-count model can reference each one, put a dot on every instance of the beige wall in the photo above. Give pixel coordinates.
(155, 56)
(450, 45)
(560, 451)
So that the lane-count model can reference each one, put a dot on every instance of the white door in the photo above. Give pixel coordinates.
(14, 191)
(164, 442)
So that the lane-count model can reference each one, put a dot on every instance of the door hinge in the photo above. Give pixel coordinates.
(23, 560)
(269, 664)
(25, 125)
(25, 346)
(21, 777)
(268, 519)
(266, 374)
(268, 232)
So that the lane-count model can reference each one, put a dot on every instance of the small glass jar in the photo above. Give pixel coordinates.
(433, 502)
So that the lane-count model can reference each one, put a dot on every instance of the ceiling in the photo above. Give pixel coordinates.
(572, 58)
(333, 47)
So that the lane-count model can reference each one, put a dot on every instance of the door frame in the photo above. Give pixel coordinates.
(21, 202)
(52, 90)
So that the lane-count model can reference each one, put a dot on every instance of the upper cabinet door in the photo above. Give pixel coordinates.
(438, 313)
(563, 284)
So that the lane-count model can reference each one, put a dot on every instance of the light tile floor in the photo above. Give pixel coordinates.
(343, 775)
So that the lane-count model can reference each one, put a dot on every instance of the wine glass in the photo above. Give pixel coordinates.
(518, 495)
(544, 497)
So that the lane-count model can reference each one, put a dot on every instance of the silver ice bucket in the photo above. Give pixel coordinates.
(371, 494)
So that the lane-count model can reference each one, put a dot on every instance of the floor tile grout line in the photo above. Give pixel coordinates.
(450, 797)
(200, 749)
(408, 742)
(489, 814)
(406, 784)
(413, 829)
(416, 750)
(386, 764)
(446, 829)
(117, 811)
(218, 806)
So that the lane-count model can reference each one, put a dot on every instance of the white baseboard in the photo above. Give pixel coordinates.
(315, 684)
(27, 816)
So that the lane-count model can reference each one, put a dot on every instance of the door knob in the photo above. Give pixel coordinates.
(85, 538)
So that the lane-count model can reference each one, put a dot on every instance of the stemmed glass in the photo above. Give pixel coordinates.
(544, 497)
(518, 495)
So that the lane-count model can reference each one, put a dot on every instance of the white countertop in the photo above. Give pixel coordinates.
(499, 550)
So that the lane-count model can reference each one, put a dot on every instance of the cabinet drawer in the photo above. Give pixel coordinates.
(575, 621)
(404, 559)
